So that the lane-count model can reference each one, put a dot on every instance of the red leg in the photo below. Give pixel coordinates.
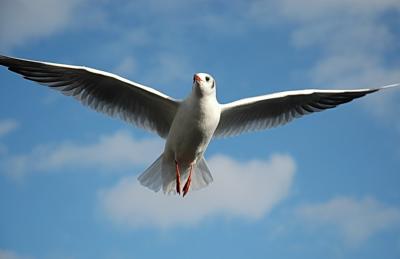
(178, 178)
(187, 184)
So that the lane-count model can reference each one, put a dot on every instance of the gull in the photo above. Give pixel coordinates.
(187, 125)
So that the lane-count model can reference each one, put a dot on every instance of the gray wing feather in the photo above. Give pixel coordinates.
(102, 91)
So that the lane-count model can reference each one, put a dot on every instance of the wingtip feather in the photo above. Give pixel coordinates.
(389, 86)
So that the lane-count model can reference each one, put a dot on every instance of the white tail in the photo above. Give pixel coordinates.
(201, 177)
(162, 174)
(151, 177)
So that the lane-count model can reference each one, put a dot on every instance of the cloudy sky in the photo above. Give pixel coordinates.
(324, 186)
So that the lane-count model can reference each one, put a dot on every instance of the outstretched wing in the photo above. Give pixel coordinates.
(277, 109)
(102, 91)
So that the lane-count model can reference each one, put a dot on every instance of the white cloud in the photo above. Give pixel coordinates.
(353, 36)
(7, 254)
(111, 152)
(356, 220)
(354, 39)
(7, 126)
(311, 10)
(169, 68)
(25, 20)
(247, 190)
(126, 67)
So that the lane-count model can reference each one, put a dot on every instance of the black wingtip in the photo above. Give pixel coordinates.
(4, 59)
(4, 56)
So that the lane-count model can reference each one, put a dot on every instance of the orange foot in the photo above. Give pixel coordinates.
(178, 178)
(187, 184)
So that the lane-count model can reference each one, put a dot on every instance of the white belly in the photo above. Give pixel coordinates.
(192, 130)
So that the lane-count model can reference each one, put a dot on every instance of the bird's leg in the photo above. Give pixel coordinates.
(189, 180)
(178, 178)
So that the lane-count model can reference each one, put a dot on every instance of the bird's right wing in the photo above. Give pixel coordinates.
(277, 109)
(102, 91)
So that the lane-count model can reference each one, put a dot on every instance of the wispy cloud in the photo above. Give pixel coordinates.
(7, 126)
(355, 41)
(353, 36)
(8, 254)
(356, 220)
(24, 20)
(117, 151)
(126, 67)
(170, 68)
(240, 189)
(247, 190)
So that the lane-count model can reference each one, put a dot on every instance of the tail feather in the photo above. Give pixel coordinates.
(151, 177)
(201, 177)
(161, 174)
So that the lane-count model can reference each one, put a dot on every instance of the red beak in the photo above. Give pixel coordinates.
(197, 78)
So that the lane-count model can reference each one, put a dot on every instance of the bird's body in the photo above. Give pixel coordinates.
(192, 128)
(188, 125)
(191, 131)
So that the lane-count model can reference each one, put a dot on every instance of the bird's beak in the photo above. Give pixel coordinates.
(197, 78)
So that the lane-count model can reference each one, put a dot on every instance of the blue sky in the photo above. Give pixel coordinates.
(326, 185)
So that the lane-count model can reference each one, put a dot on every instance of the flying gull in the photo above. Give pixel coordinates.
(188, 125)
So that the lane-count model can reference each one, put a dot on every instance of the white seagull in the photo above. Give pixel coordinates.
(188, 125)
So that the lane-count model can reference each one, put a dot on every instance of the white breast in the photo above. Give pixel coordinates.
(192, 129)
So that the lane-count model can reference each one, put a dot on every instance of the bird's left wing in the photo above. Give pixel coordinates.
(102, 91)
(277, 109)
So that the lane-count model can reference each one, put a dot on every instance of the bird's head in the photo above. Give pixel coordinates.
(203, 84)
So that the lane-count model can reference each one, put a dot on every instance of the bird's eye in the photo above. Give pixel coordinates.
(207, 78)
(213, 85)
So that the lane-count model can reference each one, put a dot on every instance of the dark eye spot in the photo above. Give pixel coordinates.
(213, 85)
(207, 78)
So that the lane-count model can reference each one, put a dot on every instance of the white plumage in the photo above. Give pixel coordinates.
(188, 125)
